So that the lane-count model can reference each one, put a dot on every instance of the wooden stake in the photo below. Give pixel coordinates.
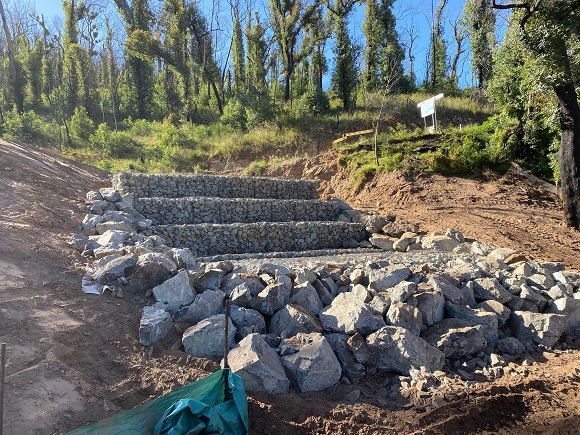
(2, 366)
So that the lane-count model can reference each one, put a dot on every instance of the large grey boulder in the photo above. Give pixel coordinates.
(209, 280)
(154, 326)
(151, 270)
(241, 295)
(103, 227)
(351, 368)
(207, 304)
(570, 308)
(439, 243)
(375, 223)
(322, 292)
(259, 366)
(530, 295)
(538, 328)
(307, 297)
(380, 304)
(456, 338)
(276, 270)
(114, 269)
(206, 338)
(183, 257)
(502, 312)
(405, 316)
(382, 279)
(247, 321)
(380, 241)
(235, 279)
(399, 227)
(293, 319)
(397, 349)
(91, 220)
(112, 238)
(476, 317)
(348, 314)
(110, 194)
(402, 291)
(432, 306)
(175, 291)
(449, 291)
(273, 297)
(544, 281)
(490, 289)
(511, 346)
(315, 366)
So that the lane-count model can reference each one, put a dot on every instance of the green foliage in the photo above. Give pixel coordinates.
(81, 126)
(28, 127)
(437, 74)
(314, 102)
(172, 136)
(235, 115)
(481, 18)
(257, 168)
(117, 145)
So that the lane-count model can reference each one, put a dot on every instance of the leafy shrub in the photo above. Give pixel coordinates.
(113, 143)
(81, 126)
(314, 101)
(257, 168)
(173, 136)
(235, 115)
(27, 127)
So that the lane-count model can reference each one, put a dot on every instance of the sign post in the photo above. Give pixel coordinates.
(428, 108)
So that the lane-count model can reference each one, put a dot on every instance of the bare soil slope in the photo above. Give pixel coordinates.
(74, 359)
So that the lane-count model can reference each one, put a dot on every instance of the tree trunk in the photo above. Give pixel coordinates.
(286, 87)
(15, 80)
(569, 154)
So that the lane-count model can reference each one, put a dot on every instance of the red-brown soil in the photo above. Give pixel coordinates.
(74, 359)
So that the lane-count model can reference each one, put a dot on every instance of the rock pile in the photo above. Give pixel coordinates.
(433, 304)
(311, 326)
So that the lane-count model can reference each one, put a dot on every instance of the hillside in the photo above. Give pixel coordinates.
(74, 359)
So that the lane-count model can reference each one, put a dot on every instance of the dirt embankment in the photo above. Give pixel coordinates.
(505, 211)
(74, 359)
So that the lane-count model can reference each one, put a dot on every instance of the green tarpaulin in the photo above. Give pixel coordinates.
(197, 408)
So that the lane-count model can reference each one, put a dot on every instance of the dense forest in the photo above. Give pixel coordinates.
(166, 84)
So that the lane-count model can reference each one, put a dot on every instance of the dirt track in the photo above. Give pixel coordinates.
(74, 359)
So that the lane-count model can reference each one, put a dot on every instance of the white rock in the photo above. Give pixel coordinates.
(348, 314)
(538, 328)
(259, 366)
(314, 367)
(397, 349)
(206, 339)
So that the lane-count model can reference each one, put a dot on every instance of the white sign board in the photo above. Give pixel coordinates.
(428, 108)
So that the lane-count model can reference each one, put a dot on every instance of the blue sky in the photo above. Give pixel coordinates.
(416, 12)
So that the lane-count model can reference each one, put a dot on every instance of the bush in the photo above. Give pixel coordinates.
(27, 127)
(113, 143)
(314, 102)
(173, 136)
(235, 115)
(81, 126)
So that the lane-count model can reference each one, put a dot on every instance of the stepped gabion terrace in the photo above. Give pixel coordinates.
(213, 215)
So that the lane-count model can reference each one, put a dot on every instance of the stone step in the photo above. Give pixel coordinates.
(218, 186)
(199, 210)
(241, 238)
